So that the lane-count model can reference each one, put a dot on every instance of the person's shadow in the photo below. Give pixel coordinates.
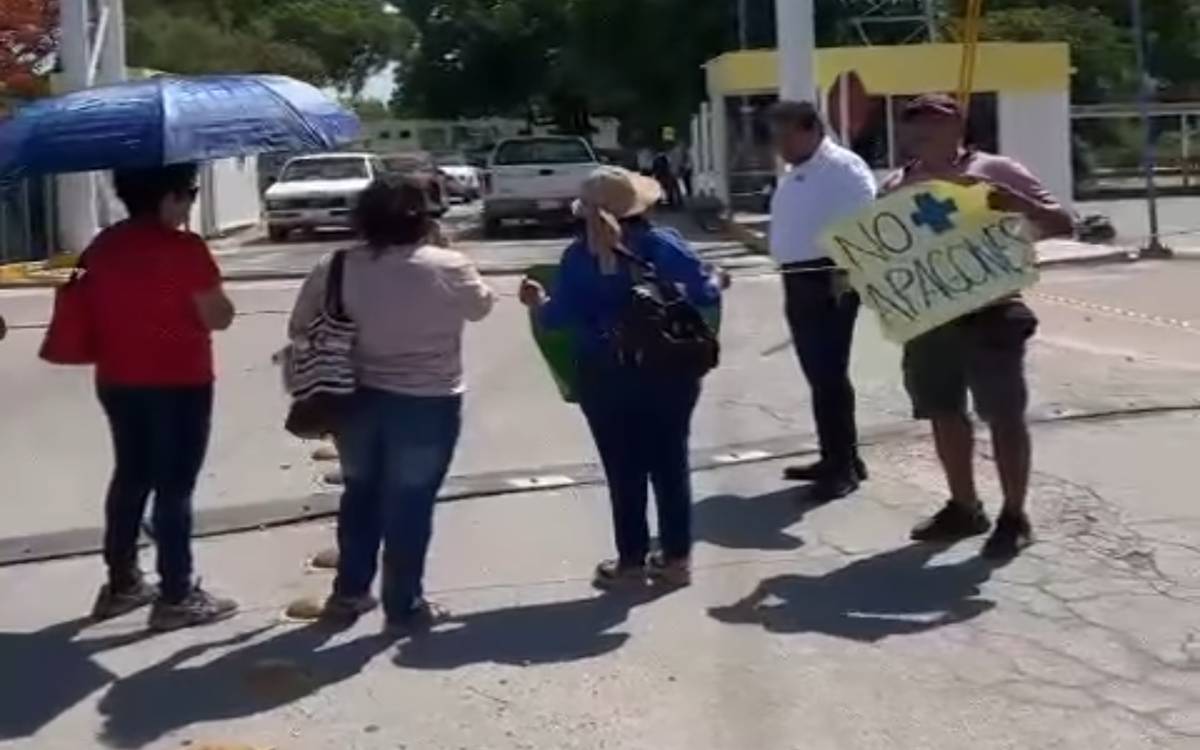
(548, 633)
(45, 673)
(745, 523)
(894, 593)
(246, 681)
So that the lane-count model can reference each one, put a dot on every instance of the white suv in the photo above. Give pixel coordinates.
(318, 191)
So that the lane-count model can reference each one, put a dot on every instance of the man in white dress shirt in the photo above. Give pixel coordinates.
(824, 183)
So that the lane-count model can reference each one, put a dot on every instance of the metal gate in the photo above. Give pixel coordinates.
(26, 220)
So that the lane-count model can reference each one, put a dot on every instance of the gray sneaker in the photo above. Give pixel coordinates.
(198, 608)
(111, 603)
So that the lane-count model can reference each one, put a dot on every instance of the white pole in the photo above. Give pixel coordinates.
(797, 45)
(77, 221)
(113, 64)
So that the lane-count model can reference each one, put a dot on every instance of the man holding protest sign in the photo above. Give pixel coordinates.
(825, 183)
(982, 351)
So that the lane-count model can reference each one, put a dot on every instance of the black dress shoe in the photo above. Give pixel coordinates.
(820, 470)
(808, 473)
(860, 468)
(832, 488)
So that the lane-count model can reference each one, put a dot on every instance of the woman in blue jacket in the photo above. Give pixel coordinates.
(640, 418)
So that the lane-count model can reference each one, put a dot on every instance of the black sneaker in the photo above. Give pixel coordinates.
(1013, 533)
(953, 522)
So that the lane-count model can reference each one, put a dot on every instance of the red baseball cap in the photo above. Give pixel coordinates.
(939, 105)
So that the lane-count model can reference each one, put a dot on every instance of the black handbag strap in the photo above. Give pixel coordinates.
(635, 260)
(334, 300)
(645, 271)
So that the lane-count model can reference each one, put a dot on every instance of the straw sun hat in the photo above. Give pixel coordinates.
(608, 195)
(619, 192)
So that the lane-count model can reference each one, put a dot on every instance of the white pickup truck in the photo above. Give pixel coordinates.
(535, 179)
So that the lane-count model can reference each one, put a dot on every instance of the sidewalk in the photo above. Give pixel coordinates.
(814, 628)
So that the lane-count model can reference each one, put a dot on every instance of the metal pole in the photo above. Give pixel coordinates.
(931, 20)
(747, 112)
(1155, 248)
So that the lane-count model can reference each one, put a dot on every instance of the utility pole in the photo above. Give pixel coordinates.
(1154, 248)
(77, 219)
(92, 51)
(795, 21)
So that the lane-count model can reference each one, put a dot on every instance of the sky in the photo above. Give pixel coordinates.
(381, 85)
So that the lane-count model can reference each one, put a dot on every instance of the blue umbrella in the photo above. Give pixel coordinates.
(169, 120)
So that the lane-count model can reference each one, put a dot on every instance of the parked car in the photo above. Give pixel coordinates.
(318, 191)
(462, 178)
(422, 164)
(535, 179)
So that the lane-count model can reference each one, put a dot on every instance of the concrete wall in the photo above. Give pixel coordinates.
(234, 201)
(1035, 129)
(229, 197)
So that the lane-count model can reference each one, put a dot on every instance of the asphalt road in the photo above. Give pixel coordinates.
(54, 452)
(253, 256)
(807, 627)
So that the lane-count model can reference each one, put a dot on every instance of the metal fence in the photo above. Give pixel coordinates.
(26, 220)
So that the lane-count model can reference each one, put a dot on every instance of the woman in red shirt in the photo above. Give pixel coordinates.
(155, 296)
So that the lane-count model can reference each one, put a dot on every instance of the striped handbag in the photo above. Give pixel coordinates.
(318, 370)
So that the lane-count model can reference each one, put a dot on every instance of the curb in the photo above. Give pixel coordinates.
(286, 512)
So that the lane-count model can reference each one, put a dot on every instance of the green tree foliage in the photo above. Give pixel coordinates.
(327, 42)
(1172, 30)
(641, 60)
(562, 60)
(1101, 52)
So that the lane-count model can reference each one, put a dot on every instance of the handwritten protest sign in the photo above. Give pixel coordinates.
(930, 253)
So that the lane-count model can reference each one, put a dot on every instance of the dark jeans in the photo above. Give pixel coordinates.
(641, 423)
(395, 452)
(160, 437)
(821, 316)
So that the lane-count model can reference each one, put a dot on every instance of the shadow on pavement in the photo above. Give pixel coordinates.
(45, 673)
(243, 682)
(528, 635)
(894, 593)
(762, 523)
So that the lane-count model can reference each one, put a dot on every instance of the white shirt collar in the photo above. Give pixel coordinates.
(819, 156)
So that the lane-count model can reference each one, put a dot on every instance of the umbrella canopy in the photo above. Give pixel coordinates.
(169, 120)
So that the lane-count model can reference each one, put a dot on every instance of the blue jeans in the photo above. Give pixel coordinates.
(641, 422)
(160, 437)
(395, 452)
